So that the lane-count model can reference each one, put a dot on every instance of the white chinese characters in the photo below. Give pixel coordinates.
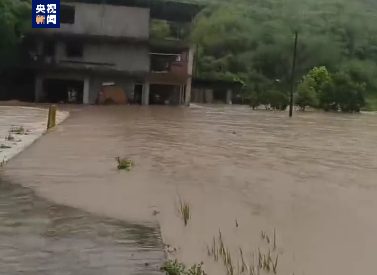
(51, 12)
(51, 8)
(51, 18)
(40, 9)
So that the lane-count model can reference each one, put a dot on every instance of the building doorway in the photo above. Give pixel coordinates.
(63, 91)
(164, 94)
(138, 93)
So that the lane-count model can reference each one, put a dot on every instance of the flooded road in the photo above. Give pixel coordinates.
(38, 237)
(20, 126)
(312, 178)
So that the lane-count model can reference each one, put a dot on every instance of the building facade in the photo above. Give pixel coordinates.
(100, 47)
(216, 91)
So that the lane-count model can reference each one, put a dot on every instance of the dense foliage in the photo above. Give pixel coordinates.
(15, 17)
(330, 92)
(252, 42)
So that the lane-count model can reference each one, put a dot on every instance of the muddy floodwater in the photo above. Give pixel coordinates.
(41, 238)
(312, 178)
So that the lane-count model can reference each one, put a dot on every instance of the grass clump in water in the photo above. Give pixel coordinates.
(3, 146)
(173, 267)
(124, 164)
(184, 210)
(19, 130)
(264, 264)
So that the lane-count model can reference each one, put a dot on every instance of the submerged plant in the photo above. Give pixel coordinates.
(3, 146)
(261, 262)
(19, 130)
(184, 209)
(275, 264)
(173, 267)
(196, 270)
(124, 164)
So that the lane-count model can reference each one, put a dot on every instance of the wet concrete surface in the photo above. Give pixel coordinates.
(20, 126)
(312, 177)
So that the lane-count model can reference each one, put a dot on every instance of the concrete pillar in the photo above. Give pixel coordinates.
(190, 61)
(180, 92)
(229, 96)
(188, 92)
(145, 94)
(86, 91)
(38, 96)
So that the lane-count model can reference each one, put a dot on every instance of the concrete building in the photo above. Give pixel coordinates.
(110, 45)
(207, 90)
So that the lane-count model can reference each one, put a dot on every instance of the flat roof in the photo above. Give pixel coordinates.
(173, 11)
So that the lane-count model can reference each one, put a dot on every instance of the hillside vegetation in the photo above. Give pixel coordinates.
(252, 41)
(15, 17)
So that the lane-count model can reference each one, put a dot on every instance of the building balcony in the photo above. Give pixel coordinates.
(50, 63)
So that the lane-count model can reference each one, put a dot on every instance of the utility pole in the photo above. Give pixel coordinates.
(293, 75)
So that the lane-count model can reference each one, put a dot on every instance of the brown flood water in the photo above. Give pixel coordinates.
(38, 237)
(312, 177)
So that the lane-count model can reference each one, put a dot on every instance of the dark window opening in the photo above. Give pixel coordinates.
(49, 48)
(219, 96)
(63, 91)
(67, 14)
(74, 49)
(162, 62)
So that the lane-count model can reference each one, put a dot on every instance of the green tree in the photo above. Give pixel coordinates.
(319, 81)
(159, 29)
(15, 18)
(253, 99)
(306, 94)
(278, 100)
(349, 95)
